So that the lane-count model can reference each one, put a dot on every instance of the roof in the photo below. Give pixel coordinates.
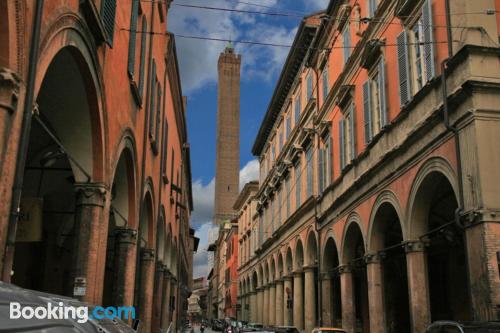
(298, 51)
(248, 189)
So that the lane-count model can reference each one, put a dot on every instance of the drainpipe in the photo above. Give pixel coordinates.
(319, 301)
(23, 145)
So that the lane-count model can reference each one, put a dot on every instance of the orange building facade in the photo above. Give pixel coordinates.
(377, 206)
(94, 150)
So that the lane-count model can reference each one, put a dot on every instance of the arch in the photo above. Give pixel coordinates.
(160, 237)
(168, 247)
(331, 259)
(330, 262)
(272, 270)
(145, 233)
(289, 261)
(386, 200)
(434, 166)
(299, 255)
(69, 39)
(311, 249)
(260, 276)
(265, 273)
(352, 234)
(173, 257)
(255, 281)
(280, 267)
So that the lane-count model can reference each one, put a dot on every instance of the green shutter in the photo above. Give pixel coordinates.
(352, 125)
(132, 38)
(403, 68)
(321, 170)
(428, 40)
(158, 113)
(152, 99)
(367, 110)
(108, 12)
(342, 143)
(143, 55)
(382, 93)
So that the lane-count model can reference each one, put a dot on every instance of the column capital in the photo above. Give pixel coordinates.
(147, 254)
(160, 267)
(374, 258)
(126, 235)
(259, 289)
(280, 280)
(90, 194)
(253, 292)
(414, 246)
(287, 277)
(272, 284)
(326, 275)
(297, 272)
(309, 268)
(9, 89)
(343, 269)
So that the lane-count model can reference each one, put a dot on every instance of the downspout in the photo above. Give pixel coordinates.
(17, 187)
(319, 300)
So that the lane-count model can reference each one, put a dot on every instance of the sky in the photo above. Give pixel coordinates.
(261, 66)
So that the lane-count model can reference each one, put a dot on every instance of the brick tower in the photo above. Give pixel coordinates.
(228, 135)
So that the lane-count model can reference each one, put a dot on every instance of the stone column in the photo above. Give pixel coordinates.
(157, 298)
(146, 285)
(260, 305)
(253, 307)
(298, 300)
(347, 296)
(278, 318)
(125, 255)
(272, 304)
(164, 322)
(287, 312)
(265, 315)
(90, 200)
(309, 299)
(418, 285)
(375, 293)
(326, 300)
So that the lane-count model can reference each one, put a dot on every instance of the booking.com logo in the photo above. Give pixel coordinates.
(60, 311)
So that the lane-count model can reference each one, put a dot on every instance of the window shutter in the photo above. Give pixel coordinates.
(108, 12)
(372, 6)
(321, 169)
(367, 108)
(165, 150)
(382, 93)
(152, 98)
(428, 40)
(346, 36)
(352, 132)
(325, 84)
(403, 68)
(342, 143)
(143, 56)
(329, 159)
(158, 113)
(132, 37)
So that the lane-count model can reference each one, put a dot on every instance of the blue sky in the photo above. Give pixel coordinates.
(261, 66)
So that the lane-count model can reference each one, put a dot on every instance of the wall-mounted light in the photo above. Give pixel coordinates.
(50, 158)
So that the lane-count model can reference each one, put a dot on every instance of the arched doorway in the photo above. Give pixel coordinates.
(311, 284)
(433, 221)
(298, 287)
(288, 287)
(333, 302)
(63, 156)
(386, 243)
(121, 216)
(353, 255)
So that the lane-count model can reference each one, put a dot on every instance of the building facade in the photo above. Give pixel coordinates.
(378, 206)
(94, 153)
(246, 205)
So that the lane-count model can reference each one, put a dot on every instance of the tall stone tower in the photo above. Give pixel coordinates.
(228, 135)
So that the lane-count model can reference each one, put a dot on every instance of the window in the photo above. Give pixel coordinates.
(132, 38)
(298, 186)
(288, 125)
(372, 7)
(271, 215)
(273, 154)
(324, 164)
(415, 54)
(172, 171)
(152, 101)
(347, 137)
(325, 83)
(297, 108)
(278, 207)
(309, 166)
(108, 13)
(158, 111)
(374, 102)
(143, 56)
(309, 86)
(280, 135)
(346, 37)
(164, 158)
(287, 196)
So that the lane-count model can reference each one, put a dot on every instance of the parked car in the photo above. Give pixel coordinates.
(328, 330)
(10, 293)
(444, 326)
(284, 329)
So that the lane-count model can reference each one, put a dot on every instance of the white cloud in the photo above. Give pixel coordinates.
(201, 219)
(198, 58)
(249, 172)
(316, 4)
